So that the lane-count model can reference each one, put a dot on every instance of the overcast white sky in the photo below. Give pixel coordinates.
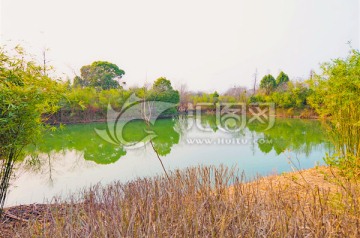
(204, 43)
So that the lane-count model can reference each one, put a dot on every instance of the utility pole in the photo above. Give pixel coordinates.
(44, 61)
(44, 51)
(255, 78)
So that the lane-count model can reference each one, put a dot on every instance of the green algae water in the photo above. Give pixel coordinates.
(75, 157)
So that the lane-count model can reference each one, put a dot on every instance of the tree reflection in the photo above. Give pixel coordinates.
(80, 138)
(164, 129)
(289, 134)
(83, 138)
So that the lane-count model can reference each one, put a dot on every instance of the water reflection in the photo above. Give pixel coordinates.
(80, 138)
(287, 134)
(76, 157)
(165, 131)
(301, 136)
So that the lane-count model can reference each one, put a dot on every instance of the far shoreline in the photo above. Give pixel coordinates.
(104, 120)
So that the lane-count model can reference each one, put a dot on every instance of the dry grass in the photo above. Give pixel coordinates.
(197, 202)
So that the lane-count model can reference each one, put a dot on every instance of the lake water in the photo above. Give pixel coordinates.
(75, 157)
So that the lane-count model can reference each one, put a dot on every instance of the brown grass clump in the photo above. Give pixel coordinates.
(199, 202)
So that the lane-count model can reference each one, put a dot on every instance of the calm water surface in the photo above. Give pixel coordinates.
(76, 157)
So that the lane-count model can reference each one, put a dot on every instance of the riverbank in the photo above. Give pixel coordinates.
(83, 117)
(315, 202)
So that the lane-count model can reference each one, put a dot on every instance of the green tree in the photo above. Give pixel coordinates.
(336, 95)
(282, 78)
(162, 85)
(100, 74)
(162, 90)
(215, 97)
(268, 83)
(26, 96)
(293, 96)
